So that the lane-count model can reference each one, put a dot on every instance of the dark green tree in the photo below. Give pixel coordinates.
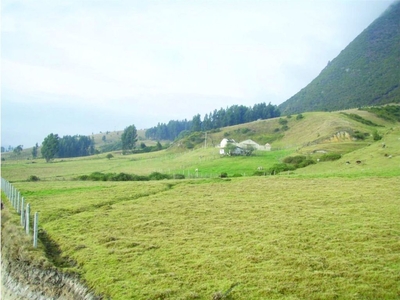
(196, 123)
(35, 151)
(50, 146)
(17, 150)
(129, 138)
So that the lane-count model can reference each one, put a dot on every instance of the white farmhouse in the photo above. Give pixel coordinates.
(242, 146)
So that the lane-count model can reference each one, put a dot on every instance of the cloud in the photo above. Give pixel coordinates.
(163, 60)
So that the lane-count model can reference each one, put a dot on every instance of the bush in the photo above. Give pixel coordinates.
(360, 119)
(358, 135)
(282, 121)
(121, 177)
(294, 160)
(189, 145)
(83, 177)
(282, 167)
(330, 157)
(223, 175)
(299, 117)
(376, 136)
(305, 163)
(33, 178)
(285, 127)
(159, 176)
(237, 175)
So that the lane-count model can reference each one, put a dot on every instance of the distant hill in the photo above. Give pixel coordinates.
(366, 72)
(339, 131)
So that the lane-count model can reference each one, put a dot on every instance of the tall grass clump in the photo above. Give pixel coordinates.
(98, 176)
(330, 157)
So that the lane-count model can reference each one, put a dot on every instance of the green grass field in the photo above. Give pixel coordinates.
(277, 237)
(327, 231)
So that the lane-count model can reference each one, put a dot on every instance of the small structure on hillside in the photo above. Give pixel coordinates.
(242, 148)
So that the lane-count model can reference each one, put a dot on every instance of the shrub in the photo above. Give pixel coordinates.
(277, 168)
(237, 175)
(223, 175)
(358, 135)
(189, 145)
(330, 157)
(360, 119)
(121, 177)
(299, 117)
(3, 159)
(376, 135)
(159, 176)
(97, 176)
(83, 177)
(305, 163)
(282, 121)
(33, 178)
(285, 127)
(294, 160)
(109, 156)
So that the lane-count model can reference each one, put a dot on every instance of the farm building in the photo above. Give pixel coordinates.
(242, 147)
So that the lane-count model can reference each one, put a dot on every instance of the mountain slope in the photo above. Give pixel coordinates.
(366, 72)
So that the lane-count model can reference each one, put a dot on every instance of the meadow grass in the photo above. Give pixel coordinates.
(207, 161)
(279, 238)
(327, 231)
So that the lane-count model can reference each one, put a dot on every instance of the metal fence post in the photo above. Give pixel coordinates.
(22, 212)
(18, 202)
(35, 230)
(28, 212)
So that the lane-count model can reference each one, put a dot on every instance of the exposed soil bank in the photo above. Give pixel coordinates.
(23, 278)
(21, 281)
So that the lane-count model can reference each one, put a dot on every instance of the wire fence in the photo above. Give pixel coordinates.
(18, 203)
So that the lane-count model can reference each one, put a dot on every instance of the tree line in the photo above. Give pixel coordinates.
(79, 145)
(67, 146)
(233, 115)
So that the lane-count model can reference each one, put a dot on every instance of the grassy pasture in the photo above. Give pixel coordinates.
(277, 237)
(208, 162)
(327, 231)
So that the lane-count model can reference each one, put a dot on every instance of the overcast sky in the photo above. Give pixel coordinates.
(81, 67)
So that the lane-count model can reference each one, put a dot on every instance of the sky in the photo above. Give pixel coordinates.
(82, 67)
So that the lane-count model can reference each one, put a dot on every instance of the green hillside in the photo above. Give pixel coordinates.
(366, 72)
(312, 135)
(326, 231)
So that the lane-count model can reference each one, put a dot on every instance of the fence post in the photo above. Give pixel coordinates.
(22, 213)
(15, 198)
(18, 202)
(12, 195)
(28, 212)
(35, 229)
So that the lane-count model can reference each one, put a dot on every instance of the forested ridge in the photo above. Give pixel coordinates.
(365, 73)
(233, 115)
